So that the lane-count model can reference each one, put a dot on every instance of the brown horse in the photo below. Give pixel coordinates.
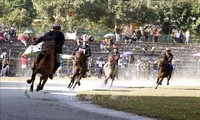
(78, 70)
(110, 70)
(45, 67)
(164, 71)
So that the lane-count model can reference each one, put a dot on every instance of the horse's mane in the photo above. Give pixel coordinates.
(162, 62)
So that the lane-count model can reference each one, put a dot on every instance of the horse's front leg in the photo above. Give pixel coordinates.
(168, 78)
(77, 82)
(71, 82)
(113, 78)
(158, 82)
(106, 80)
(41, 84)
(32, 80)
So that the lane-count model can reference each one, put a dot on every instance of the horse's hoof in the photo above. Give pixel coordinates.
(167, 83)
(79, 84)
(68, 86)
(39, 88)
(29, 81)
(31, 90)
(105, 83)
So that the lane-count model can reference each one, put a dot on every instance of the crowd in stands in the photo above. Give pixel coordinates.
(126, 36)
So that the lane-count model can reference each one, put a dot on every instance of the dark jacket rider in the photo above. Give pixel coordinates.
(116, 53)
(85, 48)
(59, 39)
(168, 56)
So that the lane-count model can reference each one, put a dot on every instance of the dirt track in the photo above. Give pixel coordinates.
(177, 87)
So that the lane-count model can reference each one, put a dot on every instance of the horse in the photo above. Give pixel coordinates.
(46, 65)
(78, 70)
(110, 70)
(163, 71)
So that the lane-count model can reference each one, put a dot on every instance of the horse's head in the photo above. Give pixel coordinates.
(111, 58)
(78, 57)
(48, 46)
(162, 62)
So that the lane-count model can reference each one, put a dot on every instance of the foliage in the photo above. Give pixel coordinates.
(177, 14)
(19, 12)
(102, 14)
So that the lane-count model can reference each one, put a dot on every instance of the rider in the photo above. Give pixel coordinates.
(85, 48)
(116, 53)
(168, 56)
(59, 39)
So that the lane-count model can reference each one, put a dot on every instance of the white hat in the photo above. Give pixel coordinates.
(85, 38)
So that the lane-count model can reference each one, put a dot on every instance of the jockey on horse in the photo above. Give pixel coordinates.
(115, 55)
(111, 67)
(59, 39)
(85, 48)
(168, 56)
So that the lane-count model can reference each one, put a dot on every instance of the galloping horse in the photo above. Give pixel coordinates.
(46, 65)
(110, 70)
(78, 70)
(163, 71)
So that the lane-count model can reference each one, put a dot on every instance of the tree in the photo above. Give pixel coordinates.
(19, 12)
(176, 13)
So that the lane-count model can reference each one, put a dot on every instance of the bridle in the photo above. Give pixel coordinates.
(49, 47)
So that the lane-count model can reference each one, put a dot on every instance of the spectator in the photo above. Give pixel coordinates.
(117, 32)
(5, 67)
(3, 27)
(155, 68)
(2, 37)
(181, 37)
(104, 45)
(6, 35)
(23, 64)
(144, 49)
(59, 71)
(12, 32)
(177, 36)
(152, 50)
(127, 32)
(155, 35)
(133, 38)
(112, 41)
(146, 35)
(151, 35)
(187, 36)
(107, 43)
(139, 34)
(127, 38)
(100, 63)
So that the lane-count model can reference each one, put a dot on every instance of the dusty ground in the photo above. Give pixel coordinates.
(177, 87)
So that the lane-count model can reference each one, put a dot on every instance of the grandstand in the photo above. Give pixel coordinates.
(185, 63)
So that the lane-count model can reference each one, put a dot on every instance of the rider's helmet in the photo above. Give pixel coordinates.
(116, 47)
(85, 38)
(168, 49)
(56, 26)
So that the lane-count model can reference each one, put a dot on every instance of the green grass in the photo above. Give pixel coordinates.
(163, 107)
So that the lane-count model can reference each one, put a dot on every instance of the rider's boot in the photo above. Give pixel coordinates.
(57, 65)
